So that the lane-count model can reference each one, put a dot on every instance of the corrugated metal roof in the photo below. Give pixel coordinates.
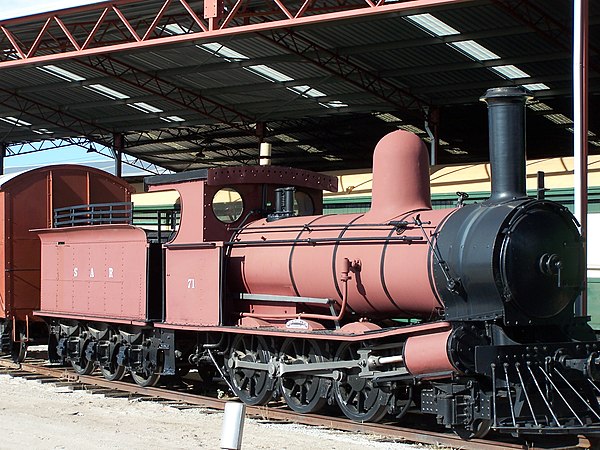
(314, 92)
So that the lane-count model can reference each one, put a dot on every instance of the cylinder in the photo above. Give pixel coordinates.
(427, 355)
(506, 121)
(233, 426)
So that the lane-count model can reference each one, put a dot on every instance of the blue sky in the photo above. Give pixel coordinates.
(10, 9)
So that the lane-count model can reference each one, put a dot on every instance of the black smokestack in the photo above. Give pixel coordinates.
(506, 119)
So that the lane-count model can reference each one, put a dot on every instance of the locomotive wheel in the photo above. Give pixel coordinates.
(18, 350)
(251, 386)
(304, 393)
(207, 373)
(143, 380)
(481, 429)
(181, 371)
(358, 399)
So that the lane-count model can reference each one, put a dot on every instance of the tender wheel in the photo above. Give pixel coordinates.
(358, 399)
(18, 350)
(303, 392)
(144, 380)
(480, 430)
(113, 371)
(252, 386)
(83, 366)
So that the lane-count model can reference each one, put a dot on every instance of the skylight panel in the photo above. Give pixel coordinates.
(307, 91)
(456, 151)
(539, 106)
(310, 148)
(411, 129)
(176, 146)
(269, 73)
(286, 138)
(173, 119)
(432, 25)
(222, 51)
(536, 87)
(511, 72)
(387, 117)
(590, 133)
(42, 131)
(106, 91)
(61, 73)
(334, 104)
(145, 107)
(474, 50)
(174, 28)
(559, 119)
(15, 121)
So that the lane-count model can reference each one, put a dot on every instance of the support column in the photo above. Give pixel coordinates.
(3, 147)
(432, 119)
(117, 151)
(580, 130)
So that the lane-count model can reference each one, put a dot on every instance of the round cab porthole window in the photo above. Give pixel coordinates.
(227, 205)
(303, 204)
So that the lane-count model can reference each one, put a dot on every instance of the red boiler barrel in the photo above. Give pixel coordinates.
(304, 256)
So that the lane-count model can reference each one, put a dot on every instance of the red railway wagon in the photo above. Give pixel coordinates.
(27, 201)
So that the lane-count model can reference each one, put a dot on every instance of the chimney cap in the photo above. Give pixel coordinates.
(516, 92)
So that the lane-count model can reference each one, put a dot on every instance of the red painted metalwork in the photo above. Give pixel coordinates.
(103, 264)
(581, 172)
(27, 202)
(51, 115)
(356, 335)
(193, 285)
(175, 94)
(275, 175)
(347, 70)
(193, 257)
(240, 19)
(428, 353)
(380, 287)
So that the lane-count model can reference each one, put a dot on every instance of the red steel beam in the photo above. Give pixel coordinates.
(239, 21)
(346, 69)
(174, 94)
(51, 115)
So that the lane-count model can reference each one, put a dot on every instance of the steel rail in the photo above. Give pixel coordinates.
(391, 431)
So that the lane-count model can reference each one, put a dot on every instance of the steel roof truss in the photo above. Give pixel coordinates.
(140, 34)
(168, 91)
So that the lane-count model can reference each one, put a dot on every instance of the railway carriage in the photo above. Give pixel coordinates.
(27, 201)
(260, 288)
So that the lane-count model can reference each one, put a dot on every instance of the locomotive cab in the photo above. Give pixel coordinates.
(214, 204)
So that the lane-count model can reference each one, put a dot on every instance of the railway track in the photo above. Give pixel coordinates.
(176, 396)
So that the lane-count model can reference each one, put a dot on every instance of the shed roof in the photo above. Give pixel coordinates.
(322, 81)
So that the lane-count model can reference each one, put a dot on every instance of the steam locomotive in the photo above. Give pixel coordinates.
(465, 314)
